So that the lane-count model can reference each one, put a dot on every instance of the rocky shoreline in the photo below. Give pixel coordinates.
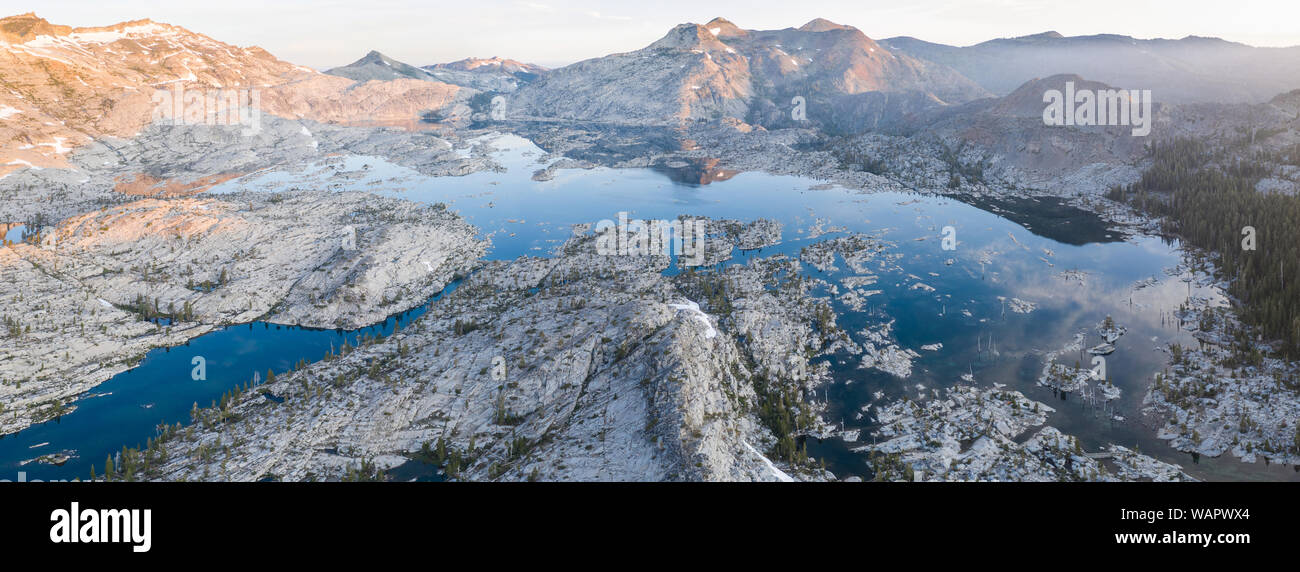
(576, 367)
(968, 433)
(1226, 396)
(87, 298)
(169, 161)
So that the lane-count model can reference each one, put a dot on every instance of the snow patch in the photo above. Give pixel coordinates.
(694, 309)
(778, 473)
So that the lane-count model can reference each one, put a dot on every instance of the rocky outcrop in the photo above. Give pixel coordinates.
(167, 160)
(85, 297)
(398, 102)
(578, 367)
(976, 434)
(1213, 402)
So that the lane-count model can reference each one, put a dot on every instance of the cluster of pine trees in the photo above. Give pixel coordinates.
(14, 327)
(852, 158)
(1208, 197)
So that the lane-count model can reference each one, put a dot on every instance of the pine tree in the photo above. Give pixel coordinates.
(1207, 197)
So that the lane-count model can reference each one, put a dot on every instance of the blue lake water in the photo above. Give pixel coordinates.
(15, 234)
(127, 409)
(526, 217)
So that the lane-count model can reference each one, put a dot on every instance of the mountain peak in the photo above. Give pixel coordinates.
(130, 24)
(28, 17)
(492, 64)
(688, 37)
(1048, 35)
(23, 27)
(822, 25)
(723, 28)
(377, 66)
(1027, 100)
(1205, 40)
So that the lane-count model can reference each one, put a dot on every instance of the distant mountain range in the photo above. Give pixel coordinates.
(490, 74)
(377, 66)
(717, 70)
(65, 86)
(1192, 69)
(487, 74)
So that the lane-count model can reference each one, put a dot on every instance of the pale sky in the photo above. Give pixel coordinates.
(328, 33)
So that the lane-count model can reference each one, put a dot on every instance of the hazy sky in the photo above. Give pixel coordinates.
(327, 33)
